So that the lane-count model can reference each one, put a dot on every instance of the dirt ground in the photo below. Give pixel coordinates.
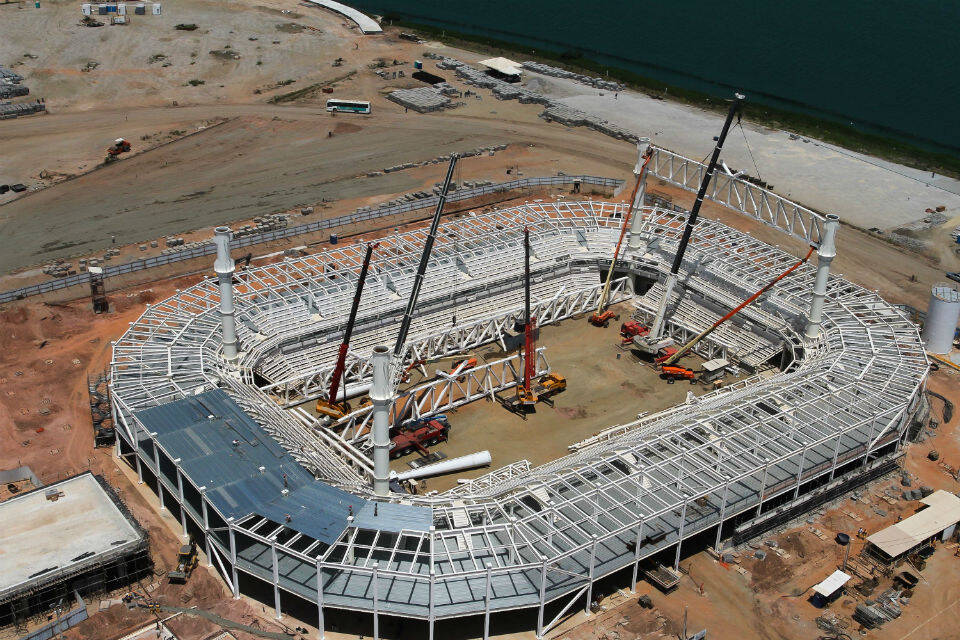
(603, 390)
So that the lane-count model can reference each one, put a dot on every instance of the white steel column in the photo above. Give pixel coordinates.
(224, 266)
(826, 252)
(593, 559)
(683, 521)
(233, 560)
(376, 601)
(276, 577)
(543, 595)
(206, 526)
(486, 606)
(156, 462)
(320, 623)
(183, 507)
(430, 620)
(381, 394)
(136, 457)
(723, 513)
(636, 557)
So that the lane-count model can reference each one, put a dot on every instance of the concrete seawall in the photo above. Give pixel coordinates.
(367, 24)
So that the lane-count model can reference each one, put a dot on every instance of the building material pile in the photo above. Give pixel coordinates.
(421, 99)
(8, 111)
(555, 111)
(547, 70)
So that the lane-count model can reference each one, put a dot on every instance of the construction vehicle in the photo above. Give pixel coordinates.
(690, 345)
(418, 437)
(632, 328)
(186, 563)
(655, 340)
(332, 407)
(664, 356)
(603, 319)
(548, 386)
(119, 146)
(526, 399)
(603, 316)
(671, 374)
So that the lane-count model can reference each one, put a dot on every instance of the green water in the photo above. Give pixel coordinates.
(881, 67)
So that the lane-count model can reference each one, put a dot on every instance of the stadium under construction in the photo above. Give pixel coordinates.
(208, 389)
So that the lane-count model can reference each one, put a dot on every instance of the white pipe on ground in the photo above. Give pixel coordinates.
(224, 267)
(353, 390)
(381, 395)
(478, 459)
(826, 252)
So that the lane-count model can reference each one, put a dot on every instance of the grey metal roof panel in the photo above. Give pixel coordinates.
(246, 471)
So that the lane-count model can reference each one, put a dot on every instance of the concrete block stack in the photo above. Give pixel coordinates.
(420, 99)
(8, 111)
(547, 70)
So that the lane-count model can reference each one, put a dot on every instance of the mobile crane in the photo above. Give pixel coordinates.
(332, 407)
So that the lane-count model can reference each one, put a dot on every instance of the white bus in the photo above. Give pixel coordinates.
(352, 106)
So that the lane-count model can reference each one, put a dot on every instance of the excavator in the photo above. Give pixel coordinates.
(331, 407)
(120, 145)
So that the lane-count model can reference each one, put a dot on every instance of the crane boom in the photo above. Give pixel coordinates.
(424, 260)
(529, 347)
(690, 345)
(348, 332)
(623, 231)
(656, 330)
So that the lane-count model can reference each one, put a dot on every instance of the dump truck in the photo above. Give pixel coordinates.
(186, 563)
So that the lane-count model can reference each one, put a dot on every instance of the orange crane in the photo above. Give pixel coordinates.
(603, 317)
(685, 348)
(331, 407)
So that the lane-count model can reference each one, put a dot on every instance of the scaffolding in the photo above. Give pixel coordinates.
(523, 537)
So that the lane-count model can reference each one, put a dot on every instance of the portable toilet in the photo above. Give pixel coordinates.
(417, 64)
(85, 8)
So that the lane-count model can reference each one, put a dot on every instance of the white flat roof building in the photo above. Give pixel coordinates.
(43, 538)
(941, 514)
(503, 65)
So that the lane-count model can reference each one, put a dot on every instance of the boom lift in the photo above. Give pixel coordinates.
(685, 348)
(332, 407)
(654, 341)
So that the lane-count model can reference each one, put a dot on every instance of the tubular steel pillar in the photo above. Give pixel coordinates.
(320, 632)
(206, 526)
(683, 521)
(276, 578)
(636, 558)
(640, 170)
(826, 252)
(136, 458)
(723, 513)
(156, 462)
(376, 601)
(224, 266)
(543, 595)
(430, 621)
(486, 606)
(183, 506)
(381, 394)
(233, 562)
(593, 560)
